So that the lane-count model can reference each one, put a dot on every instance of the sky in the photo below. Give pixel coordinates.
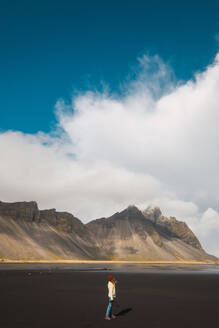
(109, 103)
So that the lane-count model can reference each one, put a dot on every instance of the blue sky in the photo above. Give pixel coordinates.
(50, 49)
(121, 147)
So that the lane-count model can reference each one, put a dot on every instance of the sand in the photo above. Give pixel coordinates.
(51, 296)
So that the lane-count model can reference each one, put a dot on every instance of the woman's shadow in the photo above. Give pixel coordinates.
(123, 312)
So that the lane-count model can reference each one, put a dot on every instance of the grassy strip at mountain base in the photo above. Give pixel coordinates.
(105, 261)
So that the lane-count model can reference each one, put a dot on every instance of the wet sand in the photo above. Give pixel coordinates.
(51, 296)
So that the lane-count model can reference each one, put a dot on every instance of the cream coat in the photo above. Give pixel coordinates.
(111, 290)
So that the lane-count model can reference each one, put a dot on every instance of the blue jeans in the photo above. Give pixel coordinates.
(109, 308)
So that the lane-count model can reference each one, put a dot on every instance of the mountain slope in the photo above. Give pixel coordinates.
(135, 235)
(27, 233)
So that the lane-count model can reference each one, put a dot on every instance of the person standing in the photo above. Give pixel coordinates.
(112, 295)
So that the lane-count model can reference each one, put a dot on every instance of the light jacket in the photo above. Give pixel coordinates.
(111, 290)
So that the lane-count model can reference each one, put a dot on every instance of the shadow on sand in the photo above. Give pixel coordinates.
(123, 312)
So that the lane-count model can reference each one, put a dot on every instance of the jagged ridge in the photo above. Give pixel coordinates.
(29, 233)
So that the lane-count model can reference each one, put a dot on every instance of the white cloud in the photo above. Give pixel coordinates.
(206, 226)
(156, 143)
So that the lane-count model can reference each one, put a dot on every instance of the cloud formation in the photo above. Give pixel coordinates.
(156, 142)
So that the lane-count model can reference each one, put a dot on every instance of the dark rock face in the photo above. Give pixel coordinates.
(172, 227)
(29, 233)
(148, 235)
(27, 211)
(63, 221)
(122, 226)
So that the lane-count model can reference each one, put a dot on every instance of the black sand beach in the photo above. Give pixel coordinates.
(51, 297)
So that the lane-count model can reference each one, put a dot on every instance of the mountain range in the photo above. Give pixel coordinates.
(27, 233)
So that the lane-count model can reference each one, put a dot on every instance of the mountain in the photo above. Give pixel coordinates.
(27, 233)
(148, 235)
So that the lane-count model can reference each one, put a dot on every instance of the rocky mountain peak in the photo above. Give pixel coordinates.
(171, 226)
(131, 210)
(27, 211)
(27, 232)
(152, 213)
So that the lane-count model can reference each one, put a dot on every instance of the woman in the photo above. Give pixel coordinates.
(112, 296)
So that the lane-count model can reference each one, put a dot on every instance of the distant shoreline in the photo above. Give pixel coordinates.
(108, 262)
